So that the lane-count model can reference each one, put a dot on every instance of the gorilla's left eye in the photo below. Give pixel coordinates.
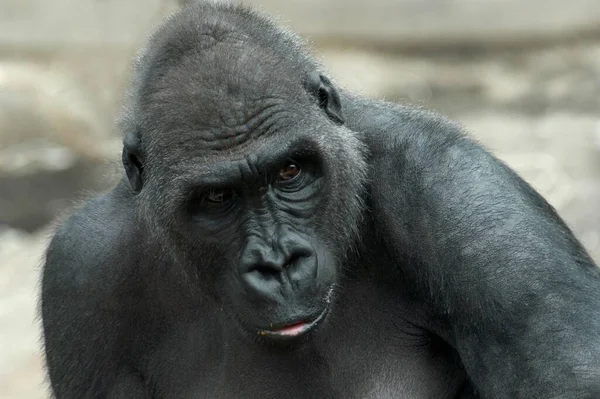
(289, 172)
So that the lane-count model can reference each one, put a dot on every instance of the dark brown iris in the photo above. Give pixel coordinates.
(289, 172)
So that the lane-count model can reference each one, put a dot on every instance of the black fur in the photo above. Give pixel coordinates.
(257, 195)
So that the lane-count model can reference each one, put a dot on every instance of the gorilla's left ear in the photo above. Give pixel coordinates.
(132, 161)
(329, 100)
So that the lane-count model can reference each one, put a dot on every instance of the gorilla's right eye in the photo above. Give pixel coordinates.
(218, 196)
(211, 200)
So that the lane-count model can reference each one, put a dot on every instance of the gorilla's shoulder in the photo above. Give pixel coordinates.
(412, 147)
(403, 131)
(394, 129)
(92, 243)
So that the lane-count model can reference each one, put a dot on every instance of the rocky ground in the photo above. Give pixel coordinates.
(538, 109)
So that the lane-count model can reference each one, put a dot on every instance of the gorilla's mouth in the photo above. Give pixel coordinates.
(295, 329)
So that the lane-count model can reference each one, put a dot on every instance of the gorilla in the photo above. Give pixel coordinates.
(275, 236)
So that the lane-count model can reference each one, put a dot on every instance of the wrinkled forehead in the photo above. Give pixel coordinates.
(184, 168)
(226, 96)
(245, 163)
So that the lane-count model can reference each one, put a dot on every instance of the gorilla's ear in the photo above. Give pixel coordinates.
(132, 160)
(321, 87)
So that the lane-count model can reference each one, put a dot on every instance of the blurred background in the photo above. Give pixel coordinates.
(523, 77)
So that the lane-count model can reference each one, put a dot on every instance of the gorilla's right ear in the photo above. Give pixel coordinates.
(132, 160)
(329, 100)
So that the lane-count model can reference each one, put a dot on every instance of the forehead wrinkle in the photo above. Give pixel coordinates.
(223, 114)
(225, 95)
(233, 73)
(238, 164)
(214, 140)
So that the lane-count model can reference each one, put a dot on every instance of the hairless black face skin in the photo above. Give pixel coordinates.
(274, 236)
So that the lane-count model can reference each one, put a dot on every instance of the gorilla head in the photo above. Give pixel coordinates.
(244, 172)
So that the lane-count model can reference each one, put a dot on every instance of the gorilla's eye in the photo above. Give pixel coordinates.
(218, 196)
(212, 201)
(289, 172)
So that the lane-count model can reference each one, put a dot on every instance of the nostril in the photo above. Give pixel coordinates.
(296, 258)
(266, 270)
(292, 261)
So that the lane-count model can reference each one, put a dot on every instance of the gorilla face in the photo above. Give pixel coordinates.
(263, 216)
(260, 226)
(251, 180)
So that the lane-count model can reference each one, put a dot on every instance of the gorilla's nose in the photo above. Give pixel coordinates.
(264, 269)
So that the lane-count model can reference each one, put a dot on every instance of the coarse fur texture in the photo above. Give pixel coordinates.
(274, 236)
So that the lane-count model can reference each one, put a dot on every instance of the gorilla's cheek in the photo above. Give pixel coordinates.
(327, 270)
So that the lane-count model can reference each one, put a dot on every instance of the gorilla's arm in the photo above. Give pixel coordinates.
(516, 293)
(86, 330)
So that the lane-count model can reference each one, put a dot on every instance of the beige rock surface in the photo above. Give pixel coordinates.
(419, 23)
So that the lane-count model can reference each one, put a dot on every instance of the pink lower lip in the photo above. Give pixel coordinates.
(292, 330)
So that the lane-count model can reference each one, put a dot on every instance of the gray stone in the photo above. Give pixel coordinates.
(425, 23)
(60, 23)
(52, 145)
(21, 373)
